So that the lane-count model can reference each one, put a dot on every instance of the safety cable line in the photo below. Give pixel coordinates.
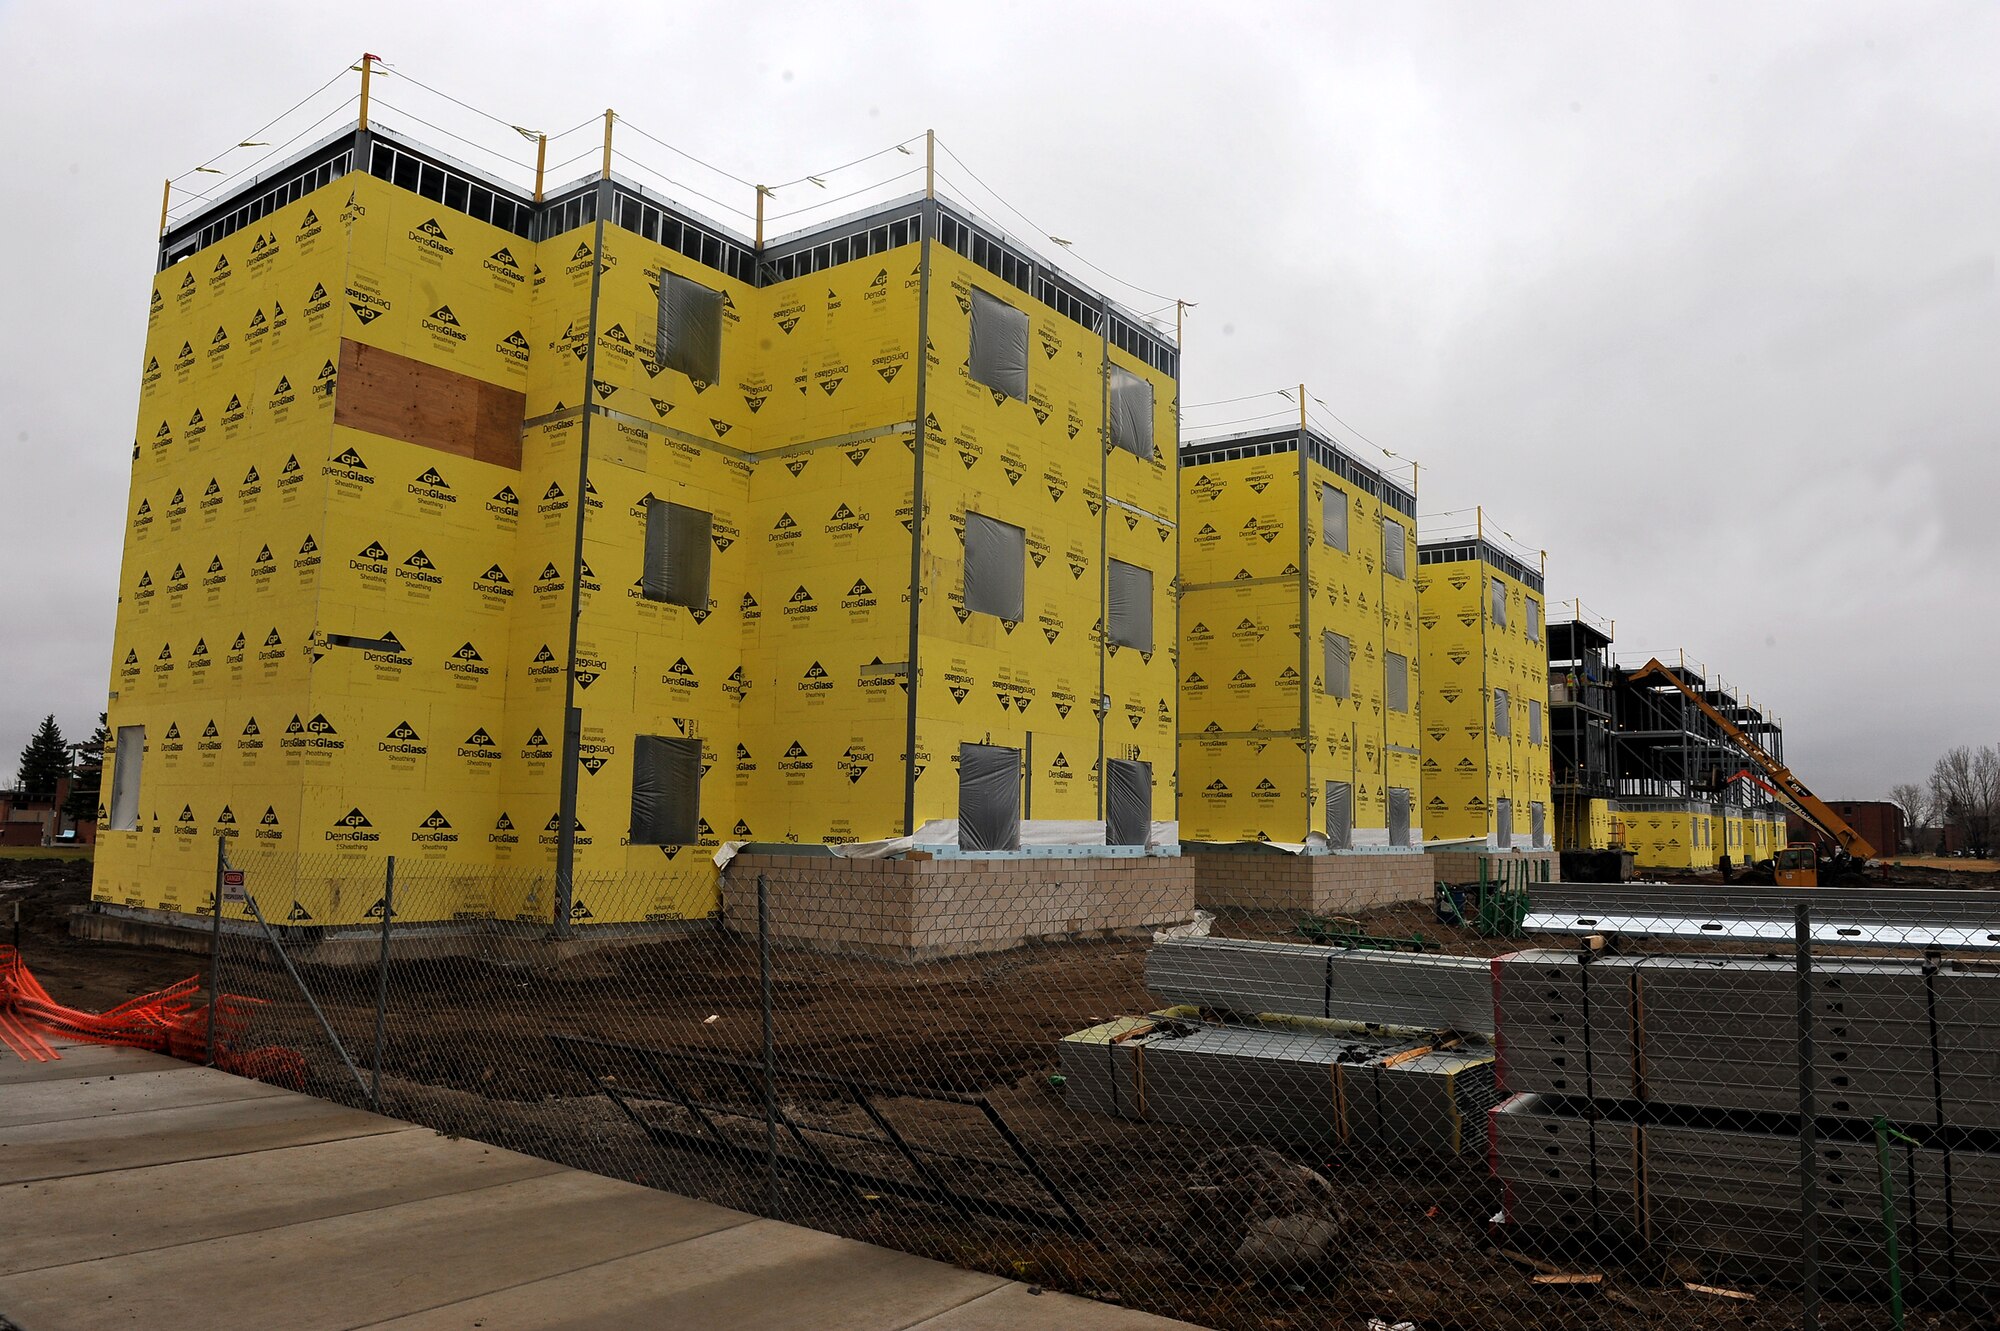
(841, 198)
(620, 153)
(267, 124)
(682, 152)
(1133, 286)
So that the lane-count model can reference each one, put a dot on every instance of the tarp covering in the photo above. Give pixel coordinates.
(1538, 825)
(128, 757)
(677, 554)
(1503, 714)
(999, 355)
(690, 328)
(1339, 656)
(1128, 802)
(1131, 622)
(1333, 516)
(1131, 413)
(1396, 681)
(666, 791)
(1340, 815)
(996, 564)
(1399, 816)
(1503, 823)
(1393, 539)
(1499, 604)
(989, 797)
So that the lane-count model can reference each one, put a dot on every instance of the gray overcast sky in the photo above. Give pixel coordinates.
(1701, 298)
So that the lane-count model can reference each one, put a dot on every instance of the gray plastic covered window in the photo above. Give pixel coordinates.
(690, 328)
(1499, 599)
(666, 790)
(1534, 626)
(1503, 823)
(1339, 654)
(999, 356)
(1538, 826)
(1333, 516)
(996, 567)
(1131, 413)
(1503, 714)
(677, 554)
(1399, 816)
(1128, 802)
(1534, 720)
(1340, 815)
(1396, 681)
(989, 797)
(1131, 622)
(1393, 542)
(128, 759)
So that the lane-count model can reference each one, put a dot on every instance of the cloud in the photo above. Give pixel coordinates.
(1700, 298)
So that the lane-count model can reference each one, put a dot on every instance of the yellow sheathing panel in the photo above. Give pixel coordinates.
(1245, 662)
(259, 533)
(1467, 659)
(1039, 465)
(219, 576)
(1671, 834)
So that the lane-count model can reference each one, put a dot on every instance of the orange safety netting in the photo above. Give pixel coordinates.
(174, 1020)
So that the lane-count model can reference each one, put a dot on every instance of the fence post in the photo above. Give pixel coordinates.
(382, 986)
(770, 1047)
(1808, 1128)
(215, 947)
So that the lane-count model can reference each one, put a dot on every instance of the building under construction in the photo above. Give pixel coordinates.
(1299, 666)
(1582, 784)
(1686, 793)
(496, 527)
(1484, 697)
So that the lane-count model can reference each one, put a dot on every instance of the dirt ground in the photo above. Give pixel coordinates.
(468, 1053)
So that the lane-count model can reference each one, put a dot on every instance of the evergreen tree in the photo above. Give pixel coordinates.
(45, 760)
(88, 780)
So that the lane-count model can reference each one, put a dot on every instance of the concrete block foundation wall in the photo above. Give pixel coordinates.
(1464, 866)
(921, 910)
(1308, 884)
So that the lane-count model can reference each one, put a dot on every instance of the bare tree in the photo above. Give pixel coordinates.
(1915, 802)
(1965, 789)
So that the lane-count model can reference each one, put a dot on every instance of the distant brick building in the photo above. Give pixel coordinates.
(36, 819)
(1878, 820)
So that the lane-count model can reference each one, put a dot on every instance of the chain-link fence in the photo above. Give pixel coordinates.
(1502, 1107)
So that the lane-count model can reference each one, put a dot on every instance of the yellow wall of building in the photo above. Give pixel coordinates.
(253, 514)
(1467, 767)
(1256, 763)
(1664, 834)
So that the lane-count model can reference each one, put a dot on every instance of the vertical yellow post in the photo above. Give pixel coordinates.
(1479, 519)
(367, 68)
(761, 193)
(930, 164)
(541, 162)
(1302, 408)
(609, 115)
(166, 197)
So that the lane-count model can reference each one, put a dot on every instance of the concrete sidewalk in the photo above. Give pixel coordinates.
(139, 1191)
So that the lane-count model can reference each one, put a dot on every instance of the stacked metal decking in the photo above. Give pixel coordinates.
(1301, 1081)
(1733, 1191)
(1246, 976)
(1300, 1044)
(1657, 1098)
(1891, 1036)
